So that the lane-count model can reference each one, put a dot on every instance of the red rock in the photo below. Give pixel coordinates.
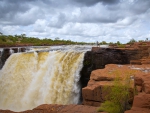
(91, 103)
(146, 61)
(95, 49)
(138, 110)
(139, 89)
(146, 77)
(133, 62)
(138, 80)
(96, 90)
(99, 79)
(146, 87)
(111, 71)
(92, 93)
(142, 100)
(99, 75)
(53, 108)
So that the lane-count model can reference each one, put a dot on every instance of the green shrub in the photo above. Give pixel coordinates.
(121, 46)
(118, 96)
(109, 107)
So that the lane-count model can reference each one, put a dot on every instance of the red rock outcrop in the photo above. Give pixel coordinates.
(94, 94)
(53, 108)
(141, 103)
(95, 91)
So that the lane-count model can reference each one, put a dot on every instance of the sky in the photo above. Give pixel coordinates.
(77, 20)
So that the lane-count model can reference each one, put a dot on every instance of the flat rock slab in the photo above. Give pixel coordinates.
(53, 108)
(138, 110)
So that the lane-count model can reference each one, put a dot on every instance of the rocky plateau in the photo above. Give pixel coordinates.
(101, 65)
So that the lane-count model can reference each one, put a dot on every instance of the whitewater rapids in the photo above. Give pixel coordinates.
(31, 79)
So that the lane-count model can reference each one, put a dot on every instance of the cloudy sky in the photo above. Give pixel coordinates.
(77, 20)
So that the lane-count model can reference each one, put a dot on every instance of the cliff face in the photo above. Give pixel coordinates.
(94, 93)
(97, 58)
(7, 52)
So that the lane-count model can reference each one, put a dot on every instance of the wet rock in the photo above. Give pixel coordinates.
(5, 55)
(7, 52)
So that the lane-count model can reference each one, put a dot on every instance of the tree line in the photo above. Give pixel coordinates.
(23, 40)
(18, 40)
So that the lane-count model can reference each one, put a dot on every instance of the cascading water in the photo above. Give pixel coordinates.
(1, 52)
(31, 79)
(19, 49)
(11, 51)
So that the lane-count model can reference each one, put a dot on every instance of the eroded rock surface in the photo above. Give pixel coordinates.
(53, 108)
(95, 91)
(94, 94)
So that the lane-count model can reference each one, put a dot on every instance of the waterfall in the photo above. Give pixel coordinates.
(31, 79)
(1, 51)
(11, 51)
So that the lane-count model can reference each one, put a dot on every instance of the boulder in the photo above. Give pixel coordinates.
(96, 91)
(141, 104)
(142, 100)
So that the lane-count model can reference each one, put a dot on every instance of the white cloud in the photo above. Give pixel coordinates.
(77, 20)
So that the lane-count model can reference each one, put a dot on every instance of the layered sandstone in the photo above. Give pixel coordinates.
(94, 94)
(141, 103)
(95, 91)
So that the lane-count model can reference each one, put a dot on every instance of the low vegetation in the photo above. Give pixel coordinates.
(24, 40)
(118, 95)
(20, 40)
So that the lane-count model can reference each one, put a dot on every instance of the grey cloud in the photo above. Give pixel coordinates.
(140, 6)
(98, 14)
(13, 8)
(98, 19)
(93, 2)
(59, 21)
(8, 10)
(19, 12)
